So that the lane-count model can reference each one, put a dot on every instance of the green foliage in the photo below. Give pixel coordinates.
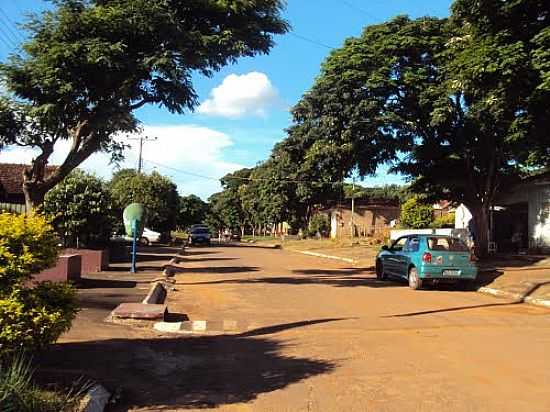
(445, 221)
(30, 318)
(226, 208)
(28, 244)
(385, 192)
(460, 106)
(88, 65)
(415, 214)
(80, 208)
(192, 210)
(18, 393)
(156, 192)
(319, 224)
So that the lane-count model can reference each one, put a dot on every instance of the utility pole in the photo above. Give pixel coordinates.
(352, 209)
(141, 140)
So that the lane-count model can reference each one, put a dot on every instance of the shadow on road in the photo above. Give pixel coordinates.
(336, 281)
(268, 330)
(199, 252)
(334, 272)
(214, 270)
(182, 373)
(453, 309)
(209, 259)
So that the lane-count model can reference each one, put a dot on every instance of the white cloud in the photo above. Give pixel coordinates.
(238, 96)
(184, 148)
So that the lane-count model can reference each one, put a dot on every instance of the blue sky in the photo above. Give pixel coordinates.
(244, 107)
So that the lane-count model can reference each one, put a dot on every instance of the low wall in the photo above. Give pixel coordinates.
(68, 268)
(92, 260)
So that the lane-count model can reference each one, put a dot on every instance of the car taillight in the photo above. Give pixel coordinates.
(427, 257)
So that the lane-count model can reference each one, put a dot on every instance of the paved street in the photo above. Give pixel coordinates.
(317, 336)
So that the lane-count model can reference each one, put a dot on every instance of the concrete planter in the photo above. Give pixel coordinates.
(67, 269)
(92, 260)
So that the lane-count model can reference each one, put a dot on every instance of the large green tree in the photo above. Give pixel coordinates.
(460, 106)
(264, 199)
(156, 192)
(89, 64)
(191, 210)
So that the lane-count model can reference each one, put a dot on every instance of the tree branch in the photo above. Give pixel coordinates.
(141, 103)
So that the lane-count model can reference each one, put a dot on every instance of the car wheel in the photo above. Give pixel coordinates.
(380, 275)
(144, 241)
(415, 282)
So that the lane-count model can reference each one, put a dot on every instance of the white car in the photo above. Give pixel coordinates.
(149, 236)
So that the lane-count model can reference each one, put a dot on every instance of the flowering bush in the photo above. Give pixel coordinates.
(30, 317)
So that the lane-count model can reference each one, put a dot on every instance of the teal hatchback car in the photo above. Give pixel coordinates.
(426, 258)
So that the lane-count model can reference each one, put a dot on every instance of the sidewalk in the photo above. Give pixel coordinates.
(523, 278)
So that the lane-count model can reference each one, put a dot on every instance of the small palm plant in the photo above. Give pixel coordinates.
(18, 392)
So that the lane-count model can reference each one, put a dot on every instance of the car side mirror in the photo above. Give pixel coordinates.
(385, 247)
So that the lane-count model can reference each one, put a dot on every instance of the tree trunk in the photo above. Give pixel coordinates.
(35, 181)
(480, 215)
(34, 195)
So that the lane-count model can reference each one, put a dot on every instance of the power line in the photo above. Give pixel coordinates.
(247, 179)
(360, 9)
(312, 41)
(6, 40)
(12, 27)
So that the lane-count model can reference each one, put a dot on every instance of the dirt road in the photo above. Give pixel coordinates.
(315, 335)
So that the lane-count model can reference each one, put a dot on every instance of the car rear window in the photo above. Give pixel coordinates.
(199, 231)
(447, 244)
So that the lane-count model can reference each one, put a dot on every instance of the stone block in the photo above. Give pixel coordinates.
(139, 311)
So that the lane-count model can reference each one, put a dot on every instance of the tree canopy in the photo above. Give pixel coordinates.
(156, 192)
(460, 106)
(89, 64)
(191, 210)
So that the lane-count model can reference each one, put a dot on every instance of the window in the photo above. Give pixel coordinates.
(413, 244)
(446, 244)
(399, 244)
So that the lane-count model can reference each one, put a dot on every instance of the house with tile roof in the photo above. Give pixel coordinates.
(12, 197)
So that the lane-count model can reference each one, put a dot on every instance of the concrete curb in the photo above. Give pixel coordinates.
(157, 294)
(322, 255)
(95, 400)
(517, 297)
(545, 303)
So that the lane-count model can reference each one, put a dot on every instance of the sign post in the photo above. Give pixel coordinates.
(134, 217)
(134, 245)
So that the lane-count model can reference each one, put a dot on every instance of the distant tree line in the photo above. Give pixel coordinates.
(255, 200)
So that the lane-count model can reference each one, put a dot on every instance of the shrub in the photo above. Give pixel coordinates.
(415, 214)
(80, 210)
(28, 244)
(30, 317)
(445, 221)
(319, 223)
